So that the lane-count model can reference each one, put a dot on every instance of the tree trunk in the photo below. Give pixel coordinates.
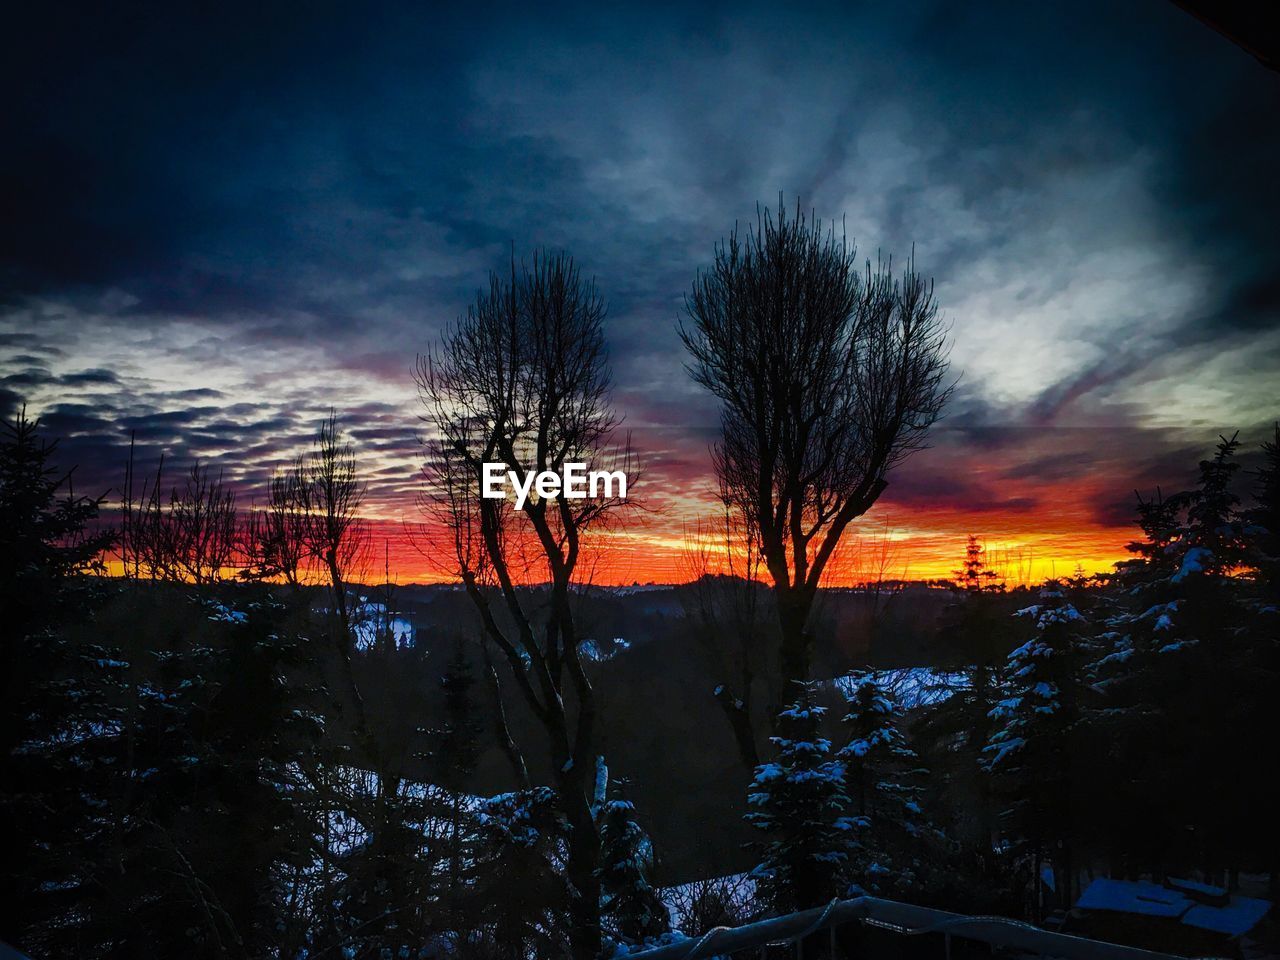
(739, 717)
(502, 730)
(583, 864)
(343, 643)
(795, 650)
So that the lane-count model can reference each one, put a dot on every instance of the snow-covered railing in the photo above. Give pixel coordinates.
(901, 918)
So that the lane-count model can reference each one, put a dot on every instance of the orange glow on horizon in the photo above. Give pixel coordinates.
(1027, 552)
(887, 545)
(894, 541)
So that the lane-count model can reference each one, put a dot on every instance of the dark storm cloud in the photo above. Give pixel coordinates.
(954, 491)
(90, 377)
(27, 378)
(236, 164)
(200, 192)
(1066, 393)
(247, 446)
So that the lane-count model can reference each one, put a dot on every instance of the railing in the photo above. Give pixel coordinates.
(801, 929)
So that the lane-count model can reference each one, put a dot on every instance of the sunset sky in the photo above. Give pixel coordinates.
(216, 226)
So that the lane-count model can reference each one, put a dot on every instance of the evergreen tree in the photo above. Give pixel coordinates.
(1177, 655)
(1130, 725)
(1138, 586)
(1213, 538)
(975, 576)
(455, 761)
(382, 902)
(798, 801)
(211, 734)
(1260, 675)
(884, 782)
(1031, 753)
(162, 770)
(629, 904)
(55, 711)
(520, 888)
(458, 738)
(976, 637)
(46, 535)
(1263, 531)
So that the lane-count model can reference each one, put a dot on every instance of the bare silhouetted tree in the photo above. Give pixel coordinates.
(202, 524)
(275, 537)
(728, 610)
(193, 538)
(827, 376)
(329, 495)
(523, 379)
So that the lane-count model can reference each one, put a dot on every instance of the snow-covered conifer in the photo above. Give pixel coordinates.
(521, 873)
(629, 903)
(1263, 529)
(1030, 753)
(798, 802)
(884, 781)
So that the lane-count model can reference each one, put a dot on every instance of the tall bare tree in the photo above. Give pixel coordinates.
(329, 495)
(828, 376)
(523, 379)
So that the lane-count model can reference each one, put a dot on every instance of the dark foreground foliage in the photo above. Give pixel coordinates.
(197, 770)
